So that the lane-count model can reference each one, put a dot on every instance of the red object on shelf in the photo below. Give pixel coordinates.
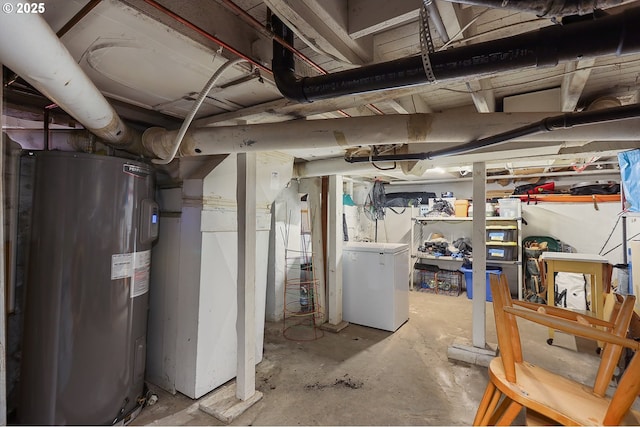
(542, 188)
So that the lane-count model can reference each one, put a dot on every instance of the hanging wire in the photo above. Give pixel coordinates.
(384, 169)
(376, 201)
(194, 109)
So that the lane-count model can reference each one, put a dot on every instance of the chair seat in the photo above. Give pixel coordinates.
(553, 396)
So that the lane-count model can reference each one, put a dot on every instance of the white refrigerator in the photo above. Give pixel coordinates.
(375, 284)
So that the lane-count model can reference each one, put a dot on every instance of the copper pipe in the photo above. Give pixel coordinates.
(206, 35)
(265, 31)
(214, 39)
(243, 14)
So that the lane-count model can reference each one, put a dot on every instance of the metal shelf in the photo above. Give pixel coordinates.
(422, 221)
(461, 218)
(439, 258)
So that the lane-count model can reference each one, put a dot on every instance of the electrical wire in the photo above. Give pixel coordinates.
(384, 169)
(485, 33)
(617, 246)
(462, 30)
(610, 234)
(194, 109)
(376, 201)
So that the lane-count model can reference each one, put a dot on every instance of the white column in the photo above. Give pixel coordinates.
(334, 249)
(313, 188)
(245, 323)
(478, 240)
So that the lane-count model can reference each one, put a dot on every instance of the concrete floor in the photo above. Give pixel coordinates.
(365, 376)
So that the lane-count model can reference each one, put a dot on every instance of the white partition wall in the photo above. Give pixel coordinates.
(192, 323)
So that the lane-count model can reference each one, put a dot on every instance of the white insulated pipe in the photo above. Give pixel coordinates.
(441, 129)
(30, 48)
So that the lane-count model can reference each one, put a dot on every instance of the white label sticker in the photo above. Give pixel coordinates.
(121, 266)
(135, 266)
(275, 180)
(141, 271)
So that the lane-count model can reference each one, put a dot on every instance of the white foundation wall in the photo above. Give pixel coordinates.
(588, 228)
(286, 221)
(580, 225)
(193, 306)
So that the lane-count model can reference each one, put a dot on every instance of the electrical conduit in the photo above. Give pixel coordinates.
(196, 106)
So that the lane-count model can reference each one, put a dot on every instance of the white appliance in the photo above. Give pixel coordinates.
(375, 284)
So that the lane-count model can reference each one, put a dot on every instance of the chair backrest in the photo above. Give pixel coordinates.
(625, 394)
(506, 325)
(610, 355)
(509, 337)
(511, 349)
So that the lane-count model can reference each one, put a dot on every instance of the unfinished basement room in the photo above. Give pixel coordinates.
(320, 212)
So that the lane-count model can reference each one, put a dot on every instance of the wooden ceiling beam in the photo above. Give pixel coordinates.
(323, 24)
(574, 82)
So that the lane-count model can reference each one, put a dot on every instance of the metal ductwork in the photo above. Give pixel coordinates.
(547, 8)
(617, 34)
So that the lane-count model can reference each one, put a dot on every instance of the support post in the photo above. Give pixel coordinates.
(231, 400)
(313, 187)
(478, 352)
(245, 323)
(478, 240)
(334, 252)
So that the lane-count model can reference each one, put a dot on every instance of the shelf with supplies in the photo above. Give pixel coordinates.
(458, 259)
(503, 244)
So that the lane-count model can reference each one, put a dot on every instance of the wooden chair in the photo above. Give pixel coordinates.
(515, 384)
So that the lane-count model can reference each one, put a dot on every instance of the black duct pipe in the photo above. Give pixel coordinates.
(616, 34)
(549, 124)
(545, 8)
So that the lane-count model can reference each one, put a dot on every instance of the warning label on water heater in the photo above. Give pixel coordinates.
(121, 266)
(136, 266)
(141, 271)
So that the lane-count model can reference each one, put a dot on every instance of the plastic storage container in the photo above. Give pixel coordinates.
(461, 208)
(509, 208)
(502, 251)
(501, 233)
(468, 278)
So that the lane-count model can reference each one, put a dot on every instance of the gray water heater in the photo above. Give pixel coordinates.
(84, 343)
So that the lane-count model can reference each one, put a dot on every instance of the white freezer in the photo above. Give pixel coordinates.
(375, 288)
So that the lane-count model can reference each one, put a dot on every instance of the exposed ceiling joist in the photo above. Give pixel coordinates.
(212, 18)
(323, 26)
(574, 82)
(483, 95)
(372, 16)
(284, 109)
(481, 90)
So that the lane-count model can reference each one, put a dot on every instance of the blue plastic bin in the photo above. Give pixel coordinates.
(468, 278)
